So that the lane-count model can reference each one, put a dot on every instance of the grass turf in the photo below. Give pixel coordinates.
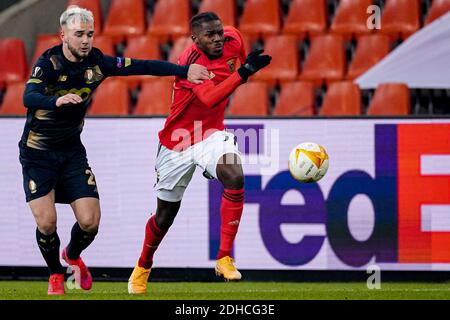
(31, 290)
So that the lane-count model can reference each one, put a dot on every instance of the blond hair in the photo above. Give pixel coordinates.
(75, 13)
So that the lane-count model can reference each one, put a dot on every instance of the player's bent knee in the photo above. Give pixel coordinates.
(233, 181)
(46, 227)
(89, 224)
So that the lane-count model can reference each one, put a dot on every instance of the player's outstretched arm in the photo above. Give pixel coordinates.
(210, 94)
(120, 66)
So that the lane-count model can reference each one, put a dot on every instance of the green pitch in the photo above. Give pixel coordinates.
(30, 290)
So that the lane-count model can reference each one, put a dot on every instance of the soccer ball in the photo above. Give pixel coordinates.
(308, 162)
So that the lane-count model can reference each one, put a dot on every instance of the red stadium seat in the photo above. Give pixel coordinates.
(351, 18)
(306, 17)
(96, 8)
(105, 44)
(296, 99)
(326, 60)
(13, 63)
(285, 62)
(155, 97)
(225, 9)
(170, 19)
(44, 42)
(250, 99)
(260, 17)
(125, 18)
(390, 99)
(370, 50)
(438, 8)
(178, 47)
(12, 101)
(111, 98)
(342, 99)
(400, 18)
(141, 47)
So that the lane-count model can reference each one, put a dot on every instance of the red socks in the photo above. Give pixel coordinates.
(153, 237)
(230, 212)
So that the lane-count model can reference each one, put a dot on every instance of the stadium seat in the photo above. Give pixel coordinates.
(369, 51)
(105, 44)
(12, 101)
(141, 47)
(178, 47)
(44, 42)
(250, 99)
(285, 62)
(351, 18)
(225, 9)
(260, 18)
(400, 18)
(296, 99)
(111, 98)
(170, 19)
(390, 99)
(13, 63)
(155, 97)
(438, 8)
(125, 18)
(306, 17)
(342, 99)
(326, 60)
(96, 8)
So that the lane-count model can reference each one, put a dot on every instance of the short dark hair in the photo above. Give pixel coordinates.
(198, 19)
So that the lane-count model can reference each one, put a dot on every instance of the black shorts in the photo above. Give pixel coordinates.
(67, 172)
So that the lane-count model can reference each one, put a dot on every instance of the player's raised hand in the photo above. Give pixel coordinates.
(197, 73)
(69, 98)
(255, 61)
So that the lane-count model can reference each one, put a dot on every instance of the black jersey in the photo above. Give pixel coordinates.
(49, 127)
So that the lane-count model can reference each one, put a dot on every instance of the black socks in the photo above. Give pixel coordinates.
(49, 246)
(79, 241)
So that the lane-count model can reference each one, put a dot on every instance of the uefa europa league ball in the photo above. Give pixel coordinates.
(308, 162)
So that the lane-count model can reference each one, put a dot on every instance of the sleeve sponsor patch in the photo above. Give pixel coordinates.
(37, 72)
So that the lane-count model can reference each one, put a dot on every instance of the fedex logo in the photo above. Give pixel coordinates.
(407, 198)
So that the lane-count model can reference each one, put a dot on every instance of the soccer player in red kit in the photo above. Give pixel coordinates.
(194, 136)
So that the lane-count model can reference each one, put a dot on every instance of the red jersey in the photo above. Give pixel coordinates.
(198, 109)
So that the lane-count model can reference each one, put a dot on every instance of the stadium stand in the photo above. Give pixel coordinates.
(13, 64)
(256, 92)
(111, 98)
(12, 101)
(438, 8)
(170, 19)
(313, 43)
(351, 18)
(260, 18)
(125, 18)
(400, 18)
(285, 62)
(225, 9)
(141, 47)
(342, 99)
(155, 97)
(369, 51)
(326, 59)
(390, 99)
(306, 18)
(296, 99)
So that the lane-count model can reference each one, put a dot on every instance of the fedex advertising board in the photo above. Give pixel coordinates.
(385, 199)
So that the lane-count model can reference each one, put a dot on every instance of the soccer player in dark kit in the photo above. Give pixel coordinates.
(194, 136)
(54, 162)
